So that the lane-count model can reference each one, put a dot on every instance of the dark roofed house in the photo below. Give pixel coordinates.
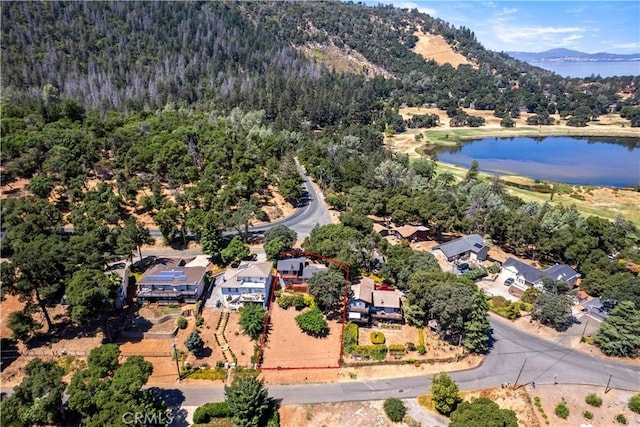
(470, 247)
(526, 276)
(413, 233)
(290, 269)
(171, 281)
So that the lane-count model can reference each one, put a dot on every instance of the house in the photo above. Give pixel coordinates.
(469, 247)
(526, 276)
(360, 303)
(171, 281)
(297, 270)
(386, 306)
(249, 283)
(413, 233)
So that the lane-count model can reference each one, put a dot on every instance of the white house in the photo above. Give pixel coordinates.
(469, 247)
(249, 283)
(526, 276)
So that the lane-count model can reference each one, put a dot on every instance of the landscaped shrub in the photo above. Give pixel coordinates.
(588, 415)
(498, 301)
(396, 349)
(421, 349)
(562, 410)
(395, 409)
(594, 400)
(350, 337)
(181, 322)
(476, 274)
(634, 403)
(209, 374)
(199, 321)
(298, 301)
(494, 268)
(208, 411)
(375, 352)
(313, 323)
(410, 346)
(377, 338)
(194, 343)
(621, 419)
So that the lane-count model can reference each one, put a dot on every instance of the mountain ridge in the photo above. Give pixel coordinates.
(568, 55)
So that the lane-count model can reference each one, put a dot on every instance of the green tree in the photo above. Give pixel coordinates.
(274, 247)
(313, 322)
(472, 173)
(619, 334)
(395, 409)
(41, 186)
(194, 343)
(327, 288)
(252, 318)
(283, 233)
(105, 391)
(248, 400)
(38, 398)
(22, 323)
(235, 251)
(477, 331)
(91, 293)
(445, 393)
(211, 239)
(134, 235)
(482, 412)
(168, 221)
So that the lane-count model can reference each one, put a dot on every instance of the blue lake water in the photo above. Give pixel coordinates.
(613, 162)
(588, 68)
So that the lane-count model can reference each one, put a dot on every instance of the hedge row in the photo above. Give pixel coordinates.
(375, 352)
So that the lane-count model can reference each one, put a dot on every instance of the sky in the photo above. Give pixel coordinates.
(536, 26)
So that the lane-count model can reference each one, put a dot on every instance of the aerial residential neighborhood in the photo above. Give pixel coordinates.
(263, 214)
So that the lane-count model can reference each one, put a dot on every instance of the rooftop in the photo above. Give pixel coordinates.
(472, 242)
(363, 289)
(386, 299)
(172, 271)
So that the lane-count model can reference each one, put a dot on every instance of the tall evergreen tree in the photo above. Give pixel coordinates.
(619, 334)
(249, 401)
(477, 330)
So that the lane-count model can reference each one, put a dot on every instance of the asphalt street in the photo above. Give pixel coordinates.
(542, 361)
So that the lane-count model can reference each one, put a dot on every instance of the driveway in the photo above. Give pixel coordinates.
(496, 288)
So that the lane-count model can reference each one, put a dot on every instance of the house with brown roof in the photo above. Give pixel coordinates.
(171, 281)
(386, 306)
(360, 303)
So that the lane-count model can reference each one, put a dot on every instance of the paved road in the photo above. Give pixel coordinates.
(543, 360)
(311, 212)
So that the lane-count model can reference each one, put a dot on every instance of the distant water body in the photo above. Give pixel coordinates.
(601, 161)
(586, 69)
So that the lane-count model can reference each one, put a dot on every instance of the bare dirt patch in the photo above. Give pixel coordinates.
(354, 414)
(435, 47)
(288, 346)
(239, 343)
(343, 60)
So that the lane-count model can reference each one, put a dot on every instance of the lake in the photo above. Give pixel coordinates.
(602, 161)
(587, 68)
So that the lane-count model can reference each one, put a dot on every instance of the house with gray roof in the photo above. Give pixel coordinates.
(361, 300)
(526, 276)
(249, 283)
(171, 281)
(297, 270)
(469, 247)
(386, 306)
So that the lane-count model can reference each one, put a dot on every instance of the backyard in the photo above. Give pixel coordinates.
(287, 346)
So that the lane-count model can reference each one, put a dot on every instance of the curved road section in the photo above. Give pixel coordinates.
(541, 361)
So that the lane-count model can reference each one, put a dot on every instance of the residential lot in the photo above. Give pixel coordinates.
(288, 347)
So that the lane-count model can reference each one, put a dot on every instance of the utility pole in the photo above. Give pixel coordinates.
(515, 383)
(606, 389)
(459, 344)
(585, 325)
(175, 354)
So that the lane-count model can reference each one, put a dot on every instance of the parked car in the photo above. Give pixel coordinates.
(463, 267)
(509, 281)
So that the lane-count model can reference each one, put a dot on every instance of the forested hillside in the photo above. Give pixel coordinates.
(131, 56)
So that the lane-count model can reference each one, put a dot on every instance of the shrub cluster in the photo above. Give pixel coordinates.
(501, 306)
(313, 323)
(181, 322)
(298, 301)
(377, 338)
(395, 409)
(350, 337)
(621, 419)
(396, 349)
(594, 400)
(209, 411)
(634, 403)
(375, 352)
(476, 274)
(209, 374)
(562, 410)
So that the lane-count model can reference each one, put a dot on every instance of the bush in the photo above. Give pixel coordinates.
(588, 415)
(209, 374)
(476, 274)
(634, 403)
(199, 321)
(621, 419)
(410, 346)
(562, 410)
(396, 348)
(594, 400)
(313, 323)
(377, 338)
(350, 337)
(194, 343)
(395, 409)
(494, 268)
(208, 411)
(181, 322)
(375, 352)
(421, 349)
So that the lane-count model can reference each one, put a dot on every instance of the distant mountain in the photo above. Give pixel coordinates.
(567, 55)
